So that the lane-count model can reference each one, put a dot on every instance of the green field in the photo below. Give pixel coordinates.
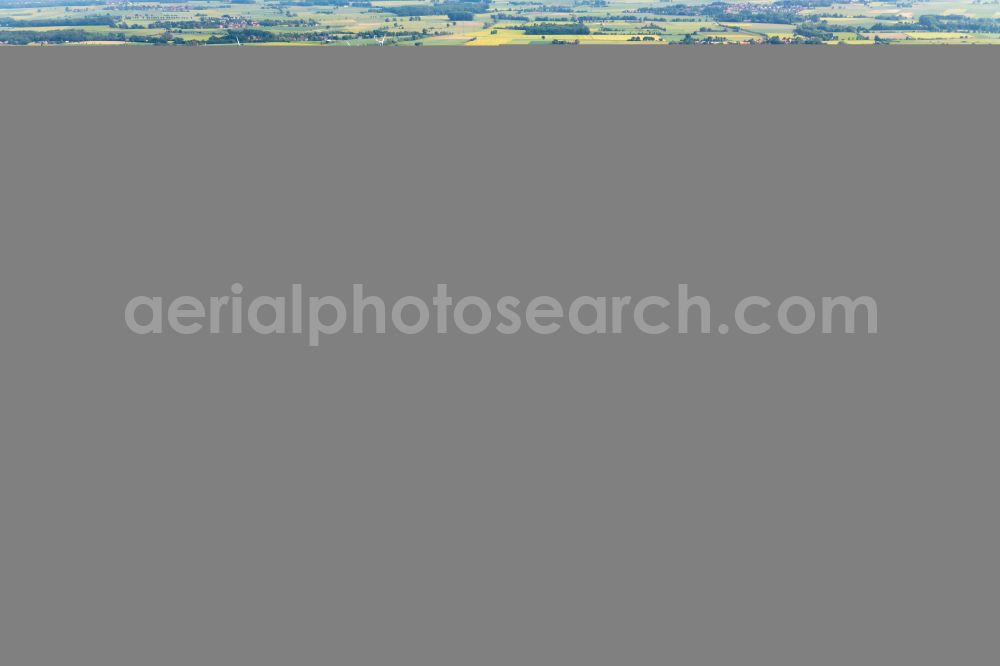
(495, 23)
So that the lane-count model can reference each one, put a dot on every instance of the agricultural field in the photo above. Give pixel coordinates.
(495, 22)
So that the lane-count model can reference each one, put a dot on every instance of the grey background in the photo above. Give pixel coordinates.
(698, 500)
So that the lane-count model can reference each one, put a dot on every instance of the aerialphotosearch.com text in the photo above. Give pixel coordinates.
(322, 316)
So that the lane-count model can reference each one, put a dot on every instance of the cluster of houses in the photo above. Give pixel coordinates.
(237, 22)
(139, 6)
